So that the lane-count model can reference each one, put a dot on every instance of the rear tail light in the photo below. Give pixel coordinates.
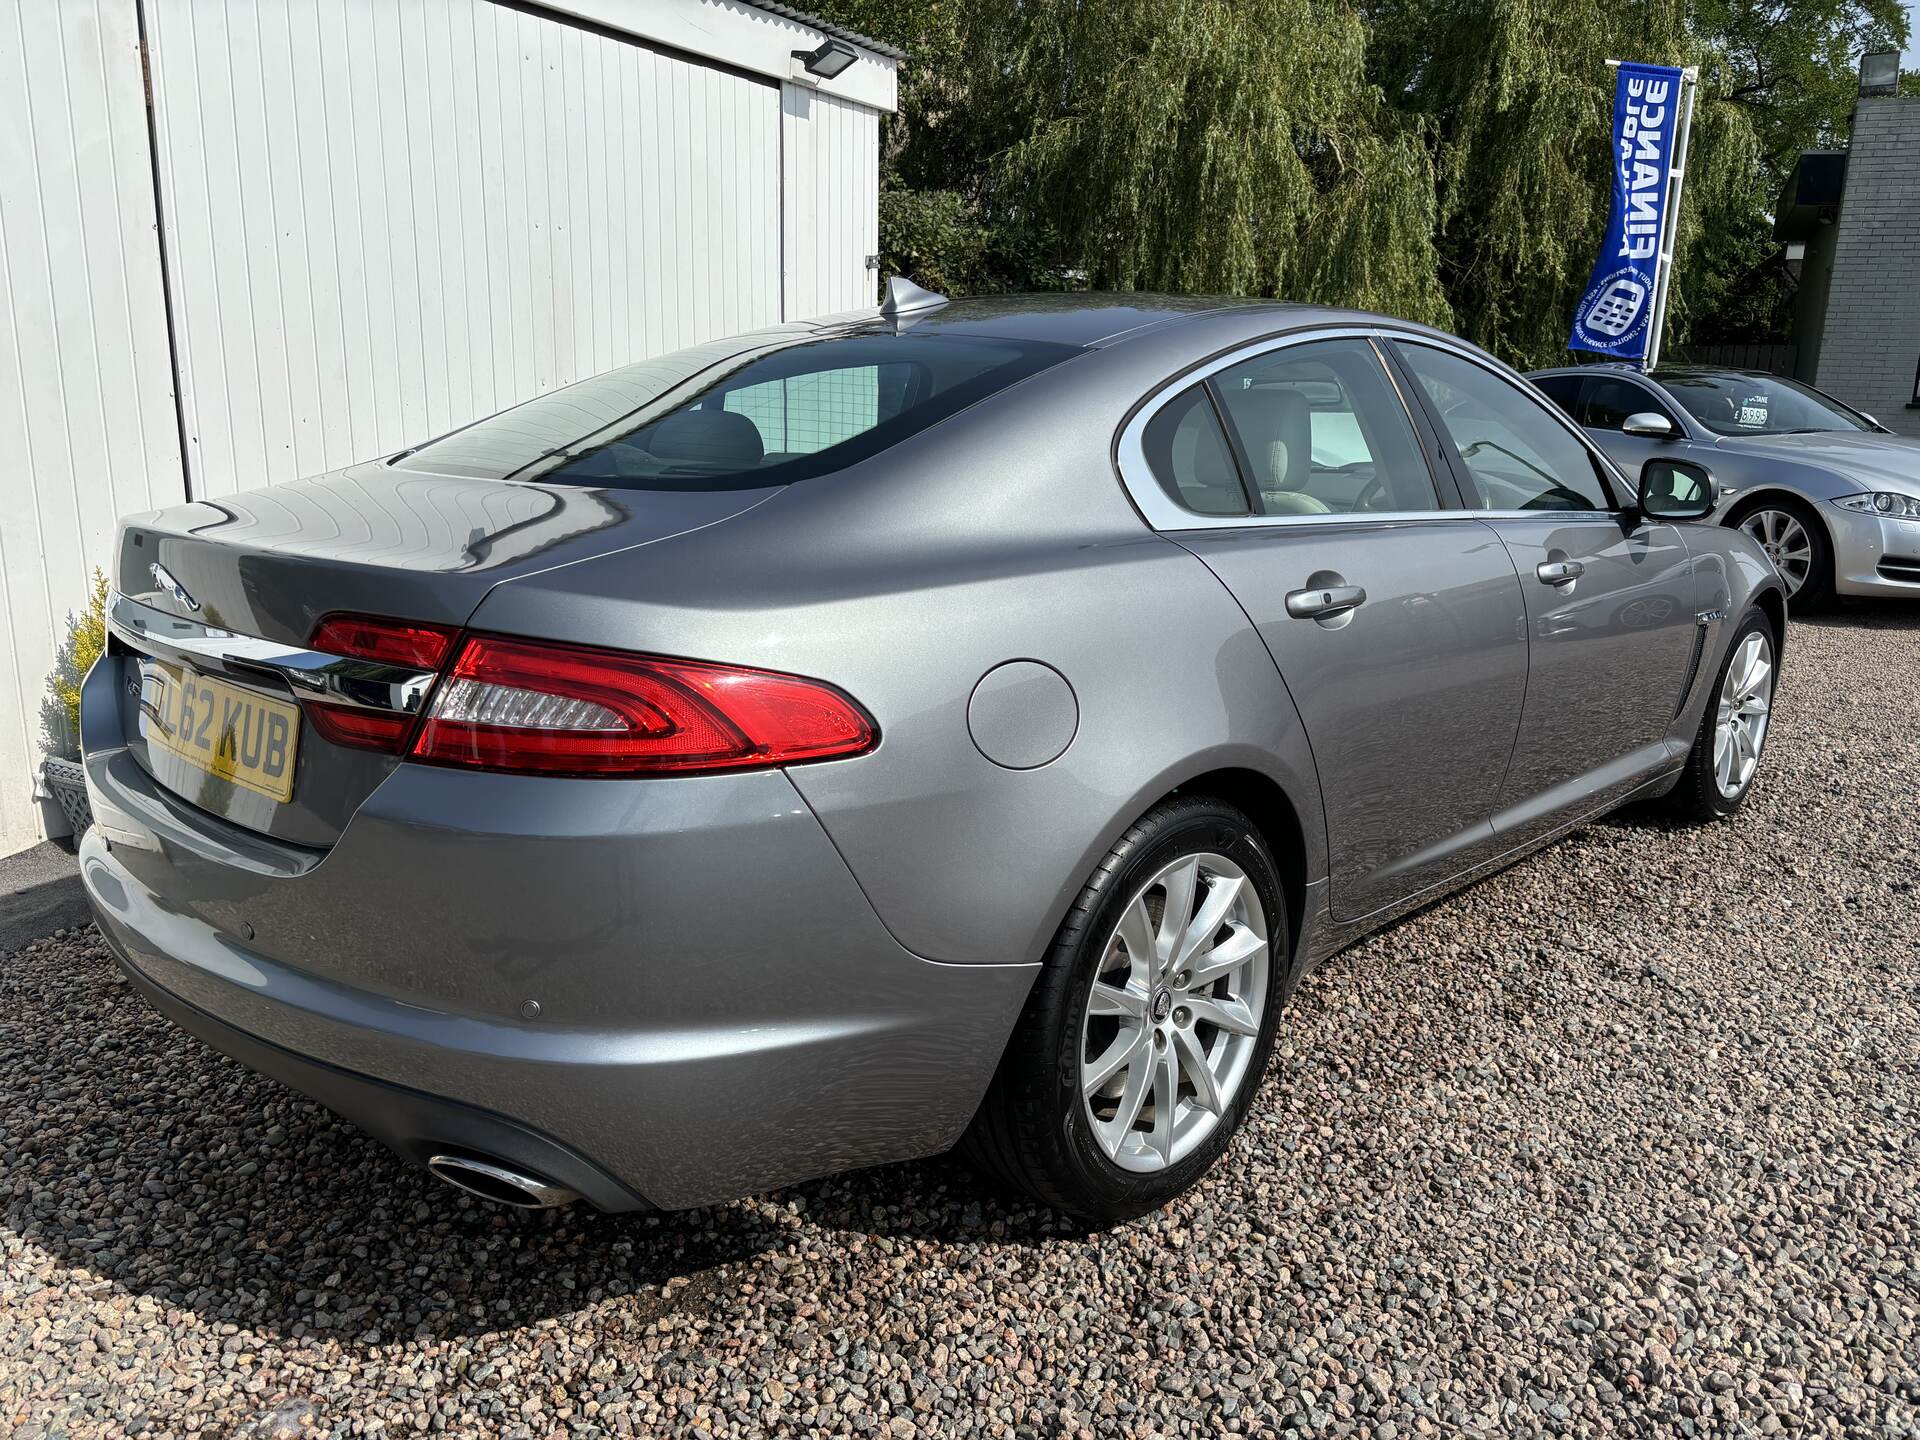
(572, 710)
(392, 642)
(364, 729)
(386, 642)
(523, 705)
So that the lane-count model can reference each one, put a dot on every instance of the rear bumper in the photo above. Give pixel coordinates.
(665, 992)
(1873, 555)
(413, 1124)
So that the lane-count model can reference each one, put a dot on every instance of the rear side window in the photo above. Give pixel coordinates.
(1562, 390)
(1188, 453)
(1324, 432)
(741, 414)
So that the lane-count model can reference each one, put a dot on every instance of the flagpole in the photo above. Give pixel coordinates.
(1670, 231)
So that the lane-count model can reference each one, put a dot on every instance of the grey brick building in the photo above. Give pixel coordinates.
(1856, 212)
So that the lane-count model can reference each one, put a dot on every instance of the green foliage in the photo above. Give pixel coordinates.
(85, 642)
(1195, 145)
(937, 238)
(1521, 104)
(1792, 66)
(1445, 160)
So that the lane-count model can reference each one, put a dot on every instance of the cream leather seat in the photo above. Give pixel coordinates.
(1276, 426)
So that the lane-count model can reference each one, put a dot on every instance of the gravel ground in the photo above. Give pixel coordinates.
(1623, 1141)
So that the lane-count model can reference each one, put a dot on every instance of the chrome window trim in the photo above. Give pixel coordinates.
(336, 679)
(1559, 517)
(1162, 512)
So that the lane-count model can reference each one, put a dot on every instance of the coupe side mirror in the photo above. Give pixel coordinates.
(1676, 490)
(1649, 424)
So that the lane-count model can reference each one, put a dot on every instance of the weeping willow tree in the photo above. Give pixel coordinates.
(1520, 104)
(1445, 160)
(1195, 145)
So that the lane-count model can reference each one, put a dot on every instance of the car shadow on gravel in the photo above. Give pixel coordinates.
(1863, 614)
(136, 1156)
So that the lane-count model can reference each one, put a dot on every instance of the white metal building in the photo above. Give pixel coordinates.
(342, 226)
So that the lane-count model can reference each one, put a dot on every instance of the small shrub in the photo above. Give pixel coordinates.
(86, 639)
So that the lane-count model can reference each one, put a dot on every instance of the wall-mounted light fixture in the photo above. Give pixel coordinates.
(829, 61)
(1880, 73)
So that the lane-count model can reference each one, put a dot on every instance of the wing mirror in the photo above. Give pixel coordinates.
(1649, 424)
(1676, 490)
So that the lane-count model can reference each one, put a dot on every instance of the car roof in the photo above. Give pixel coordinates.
(1665, 372)
(1088, 319)
(1713, 372)
(1602, 367)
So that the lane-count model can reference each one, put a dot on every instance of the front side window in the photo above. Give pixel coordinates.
(1736, 403)
(1517, 456)
(738, 414)
(1323, 432)
(1610, 400)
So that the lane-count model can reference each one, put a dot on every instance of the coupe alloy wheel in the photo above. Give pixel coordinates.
(1740, 724)
(1173, 1016)
(1787, 544)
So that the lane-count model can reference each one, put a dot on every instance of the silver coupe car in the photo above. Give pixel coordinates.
(816, 747)
(1831, 494)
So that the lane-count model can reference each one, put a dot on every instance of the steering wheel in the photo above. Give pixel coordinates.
(1370, 493)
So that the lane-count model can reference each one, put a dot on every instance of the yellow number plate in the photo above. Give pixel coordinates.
(221, 729)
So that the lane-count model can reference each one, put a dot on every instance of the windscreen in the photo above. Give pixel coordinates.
(739, 414)
(1741, 404)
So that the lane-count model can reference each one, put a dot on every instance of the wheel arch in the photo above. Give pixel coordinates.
(1278, 810)
(1760, 496)
(1273, 812)
(1807, 507)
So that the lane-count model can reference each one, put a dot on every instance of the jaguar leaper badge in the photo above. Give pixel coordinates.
(163, 577)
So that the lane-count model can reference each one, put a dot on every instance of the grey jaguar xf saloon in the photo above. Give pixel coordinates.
(946, 723)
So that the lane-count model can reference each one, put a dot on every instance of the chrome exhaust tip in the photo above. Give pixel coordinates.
(500, 1184)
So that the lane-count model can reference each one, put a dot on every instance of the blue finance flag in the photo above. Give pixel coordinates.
(1613, 316)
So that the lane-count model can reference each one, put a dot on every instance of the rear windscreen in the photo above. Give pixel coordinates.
(738, 414)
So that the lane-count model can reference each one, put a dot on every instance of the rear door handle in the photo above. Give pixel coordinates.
(1559, 572)
(1319, 604)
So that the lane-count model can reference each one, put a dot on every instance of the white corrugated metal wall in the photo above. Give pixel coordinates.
(87, 424)
(381, 219)
(831, 156)
(388, 219)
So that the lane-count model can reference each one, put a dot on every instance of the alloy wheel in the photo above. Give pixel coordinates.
(1787, 544)
(1174, 1013)
(1740, 724)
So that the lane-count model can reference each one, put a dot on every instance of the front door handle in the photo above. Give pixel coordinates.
(1320, 604)
(1559, 572)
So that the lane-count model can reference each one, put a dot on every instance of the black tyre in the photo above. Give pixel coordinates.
(1146, 1035)
(1733, 732)
(1796, 541)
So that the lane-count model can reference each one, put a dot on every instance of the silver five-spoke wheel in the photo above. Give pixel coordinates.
(1740, 724)
(1787, 544)
(1173, 1015)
